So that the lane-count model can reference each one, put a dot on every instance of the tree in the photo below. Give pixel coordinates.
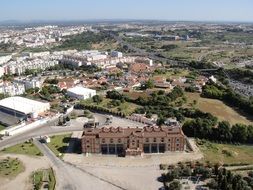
(250, 134)
(216, 169)
(239, 132)
(175, 185)
(223, 131)
(148, 85)
(213, 184)
(187, 171)
(114, 95)
(224, 183)
(67, 118)
(97, 99)
(2, 96)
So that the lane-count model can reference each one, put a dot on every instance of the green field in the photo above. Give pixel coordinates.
(44, 175)
(2, 127)
(173, 74)
(125, 107)
(27, 148)
(218, 109)
(226, 153)
(10, 167)
(59, 144)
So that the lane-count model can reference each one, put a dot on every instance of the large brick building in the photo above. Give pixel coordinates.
(133, 141)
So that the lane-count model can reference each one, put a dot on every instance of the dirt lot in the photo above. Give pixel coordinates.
(22, 181)
(133, 173)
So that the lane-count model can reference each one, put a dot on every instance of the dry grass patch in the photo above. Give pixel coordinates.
(218, 109)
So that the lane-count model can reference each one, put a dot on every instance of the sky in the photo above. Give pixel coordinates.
(172, 10)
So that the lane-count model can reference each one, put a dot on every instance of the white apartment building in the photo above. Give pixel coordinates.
(18, 68)
(30, 82)
(12, 89)
(96, 58)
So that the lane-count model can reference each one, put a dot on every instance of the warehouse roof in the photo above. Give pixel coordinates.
(80, 90)
(23, 105)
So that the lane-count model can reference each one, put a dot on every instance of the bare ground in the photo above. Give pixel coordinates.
(22, 181)
(133, 173)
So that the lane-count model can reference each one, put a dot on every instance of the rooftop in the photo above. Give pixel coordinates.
(141, 132)
(22, 105)
(80, 90)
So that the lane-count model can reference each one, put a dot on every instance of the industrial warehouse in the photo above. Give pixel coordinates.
(133, 141)
(16, 109)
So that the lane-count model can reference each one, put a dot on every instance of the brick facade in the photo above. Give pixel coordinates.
(133, 141)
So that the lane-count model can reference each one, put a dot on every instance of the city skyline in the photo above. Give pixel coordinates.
(182, 10)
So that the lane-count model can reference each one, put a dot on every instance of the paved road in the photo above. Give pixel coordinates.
(142, 52)
(38, 131)
(76, 125)
(70, 177)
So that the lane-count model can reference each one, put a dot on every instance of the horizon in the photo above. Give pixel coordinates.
(121, 20)
(77, 10)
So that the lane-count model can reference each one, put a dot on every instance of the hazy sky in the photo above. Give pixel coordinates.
(204, 10)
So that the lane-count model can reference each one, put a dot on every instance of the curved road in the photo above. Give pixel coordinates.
(72, 178)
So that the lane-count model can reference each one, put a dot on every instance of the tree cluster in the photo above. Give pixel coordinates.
(228, 96)
(245, 76)
(218, 177)
(223, 132)
(157, 103)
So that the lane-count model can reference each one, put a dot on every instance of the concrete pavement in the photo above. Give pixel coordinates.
(48, 130)
(70, 177)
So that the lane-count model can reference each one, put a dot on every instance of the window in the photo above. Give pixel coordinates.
(111, 140)
(154, 140)
(162, 139)
(169, 140)
(88, 146)
(87, 141)
(177, 140)
(103, 140)
(147, 139)
(119, 140)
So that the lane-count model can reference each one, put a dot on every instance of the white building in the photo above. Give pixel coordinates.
(24, 106)
(81, 93)
(1, 71)
(34, 83)
(12, 89)
(5, 59)
(19, 67)
(30, 82)
(116, 54)
(213, 79)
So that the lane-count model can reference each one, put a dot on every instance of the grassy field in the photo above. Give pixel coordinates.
(44, 175)
(2, 127)
(27, 148)
(125, 107)
(226, 153)
(59, 144)
(217, 108)
(10, 167)
(174, 74)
